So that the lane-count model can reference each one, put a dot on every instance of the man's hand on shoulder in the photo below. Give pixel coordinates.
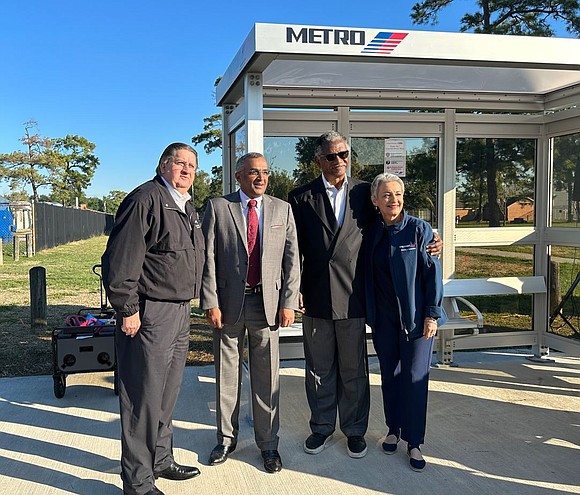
(434, 248)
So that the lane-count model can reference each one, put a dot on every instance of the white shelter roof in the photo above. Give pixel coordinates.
(296, 56)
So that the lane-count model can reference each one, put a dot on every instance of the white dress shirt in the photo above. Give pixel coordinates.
(337, 199)
(180, 199)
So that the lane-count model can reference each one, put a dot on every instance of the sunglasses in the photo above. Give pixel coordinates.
(343, 155)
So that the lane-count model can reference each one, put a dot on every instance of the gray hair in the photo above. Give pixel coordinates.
(169, 153)
(248, 156)
(327, 138)
(382, 178)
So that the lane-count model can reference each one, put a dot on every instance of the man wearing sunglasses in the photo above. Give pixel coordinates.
(331, 213)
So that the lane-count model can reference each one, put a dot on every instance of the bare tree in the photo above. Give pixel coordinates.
(31, 167)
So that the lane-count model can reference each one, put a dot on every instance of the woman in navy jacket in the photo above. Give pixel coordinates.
(404, 291)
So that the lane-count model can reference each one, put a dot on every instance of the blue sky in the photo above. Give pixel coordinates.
(133, 76)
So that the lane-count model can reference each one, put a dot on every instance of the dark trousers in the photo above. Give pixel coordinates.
(150, 368)
(405, 381)
(337, 375)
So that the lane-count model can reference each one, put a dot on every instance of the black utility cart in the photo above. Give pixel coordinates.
(84, 345)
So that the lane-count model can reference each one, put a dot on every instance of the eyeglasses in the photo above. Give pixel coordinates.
(343, 155)
(253, 172)
(182, 164)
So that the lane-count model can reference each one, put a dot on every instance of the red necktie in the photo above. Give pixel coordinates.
(253, 245)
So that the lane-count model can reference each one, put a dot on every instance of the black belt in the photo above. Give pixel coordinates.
(253, 290)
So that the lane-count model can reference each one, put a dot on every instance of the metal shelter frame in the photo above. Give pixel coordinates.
(294, 80)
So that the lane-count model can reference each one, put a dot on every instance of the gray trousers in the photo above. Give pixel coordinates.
(264, 360)
(337, 375)
(150, 368)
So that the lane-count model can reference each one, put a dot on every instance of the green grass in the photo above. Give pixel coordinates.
(557, 251)
(69, 277)
(567, 225)
(468, 265)
(514, 312)
(71, 286)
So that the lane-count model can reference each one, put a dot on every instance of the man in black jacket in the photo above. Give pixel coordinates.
(331, 213)
(152, 268)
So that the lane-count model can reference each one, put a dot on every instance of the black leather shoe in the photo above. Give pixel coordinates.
(220, 453)
(272, 461)
(176, 472)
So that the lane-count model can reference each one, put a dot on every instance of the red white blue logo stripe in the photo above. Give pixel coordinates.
(384, 42)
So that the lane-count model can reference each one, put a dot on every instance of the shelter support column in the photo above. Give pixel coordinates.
(228, 153)
(343, 125)
(446, 206)
(542, 250)
(254, 111)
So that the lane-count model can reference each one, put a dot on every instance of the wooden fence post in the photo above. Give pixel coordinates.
(29, 250)
(38, 307)
(16, 247)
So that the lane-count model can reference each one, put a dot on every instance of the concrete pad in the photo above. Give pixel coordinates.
(497, 424)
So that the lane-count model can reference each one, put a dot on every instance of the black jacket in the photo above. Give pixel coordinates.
(155, 251)
(332, 283)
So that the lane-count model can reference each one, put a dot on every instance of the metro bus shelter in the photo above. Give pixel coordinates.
(485, 130)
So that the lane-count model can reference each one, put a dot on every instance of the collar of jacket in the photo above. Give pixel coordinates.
(167, 197)
(399, 225)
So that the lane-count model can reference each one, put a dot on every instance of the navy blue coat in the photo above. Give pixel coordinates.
(416, 275)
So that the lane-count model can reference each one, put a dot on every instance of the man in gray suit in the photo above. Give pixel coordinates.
(240, 294)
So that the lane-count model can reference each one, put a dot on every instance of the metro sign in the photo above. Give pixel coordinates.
(325, 36)
(383, 43)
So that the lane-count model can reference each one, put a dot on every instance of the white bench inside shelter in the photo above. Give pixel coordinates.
(455, 294)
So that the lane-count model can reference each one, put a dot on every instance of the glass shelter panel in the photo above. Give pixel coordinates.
(415, 160)
(501, 313)
(566, 180)
(286, 162)
(564, 294)
(291, 163)
(239, 138)
(495, 182)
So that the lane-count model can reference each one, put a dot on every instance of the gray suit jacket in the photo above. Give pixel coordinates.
(226, 265)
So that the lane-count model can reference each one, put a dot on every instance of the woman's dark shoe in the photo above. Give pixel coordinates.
(416, 464)
(390, 443)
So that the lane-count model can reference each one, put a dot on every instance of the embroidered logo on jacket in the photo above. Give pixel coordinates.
(408, 247)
